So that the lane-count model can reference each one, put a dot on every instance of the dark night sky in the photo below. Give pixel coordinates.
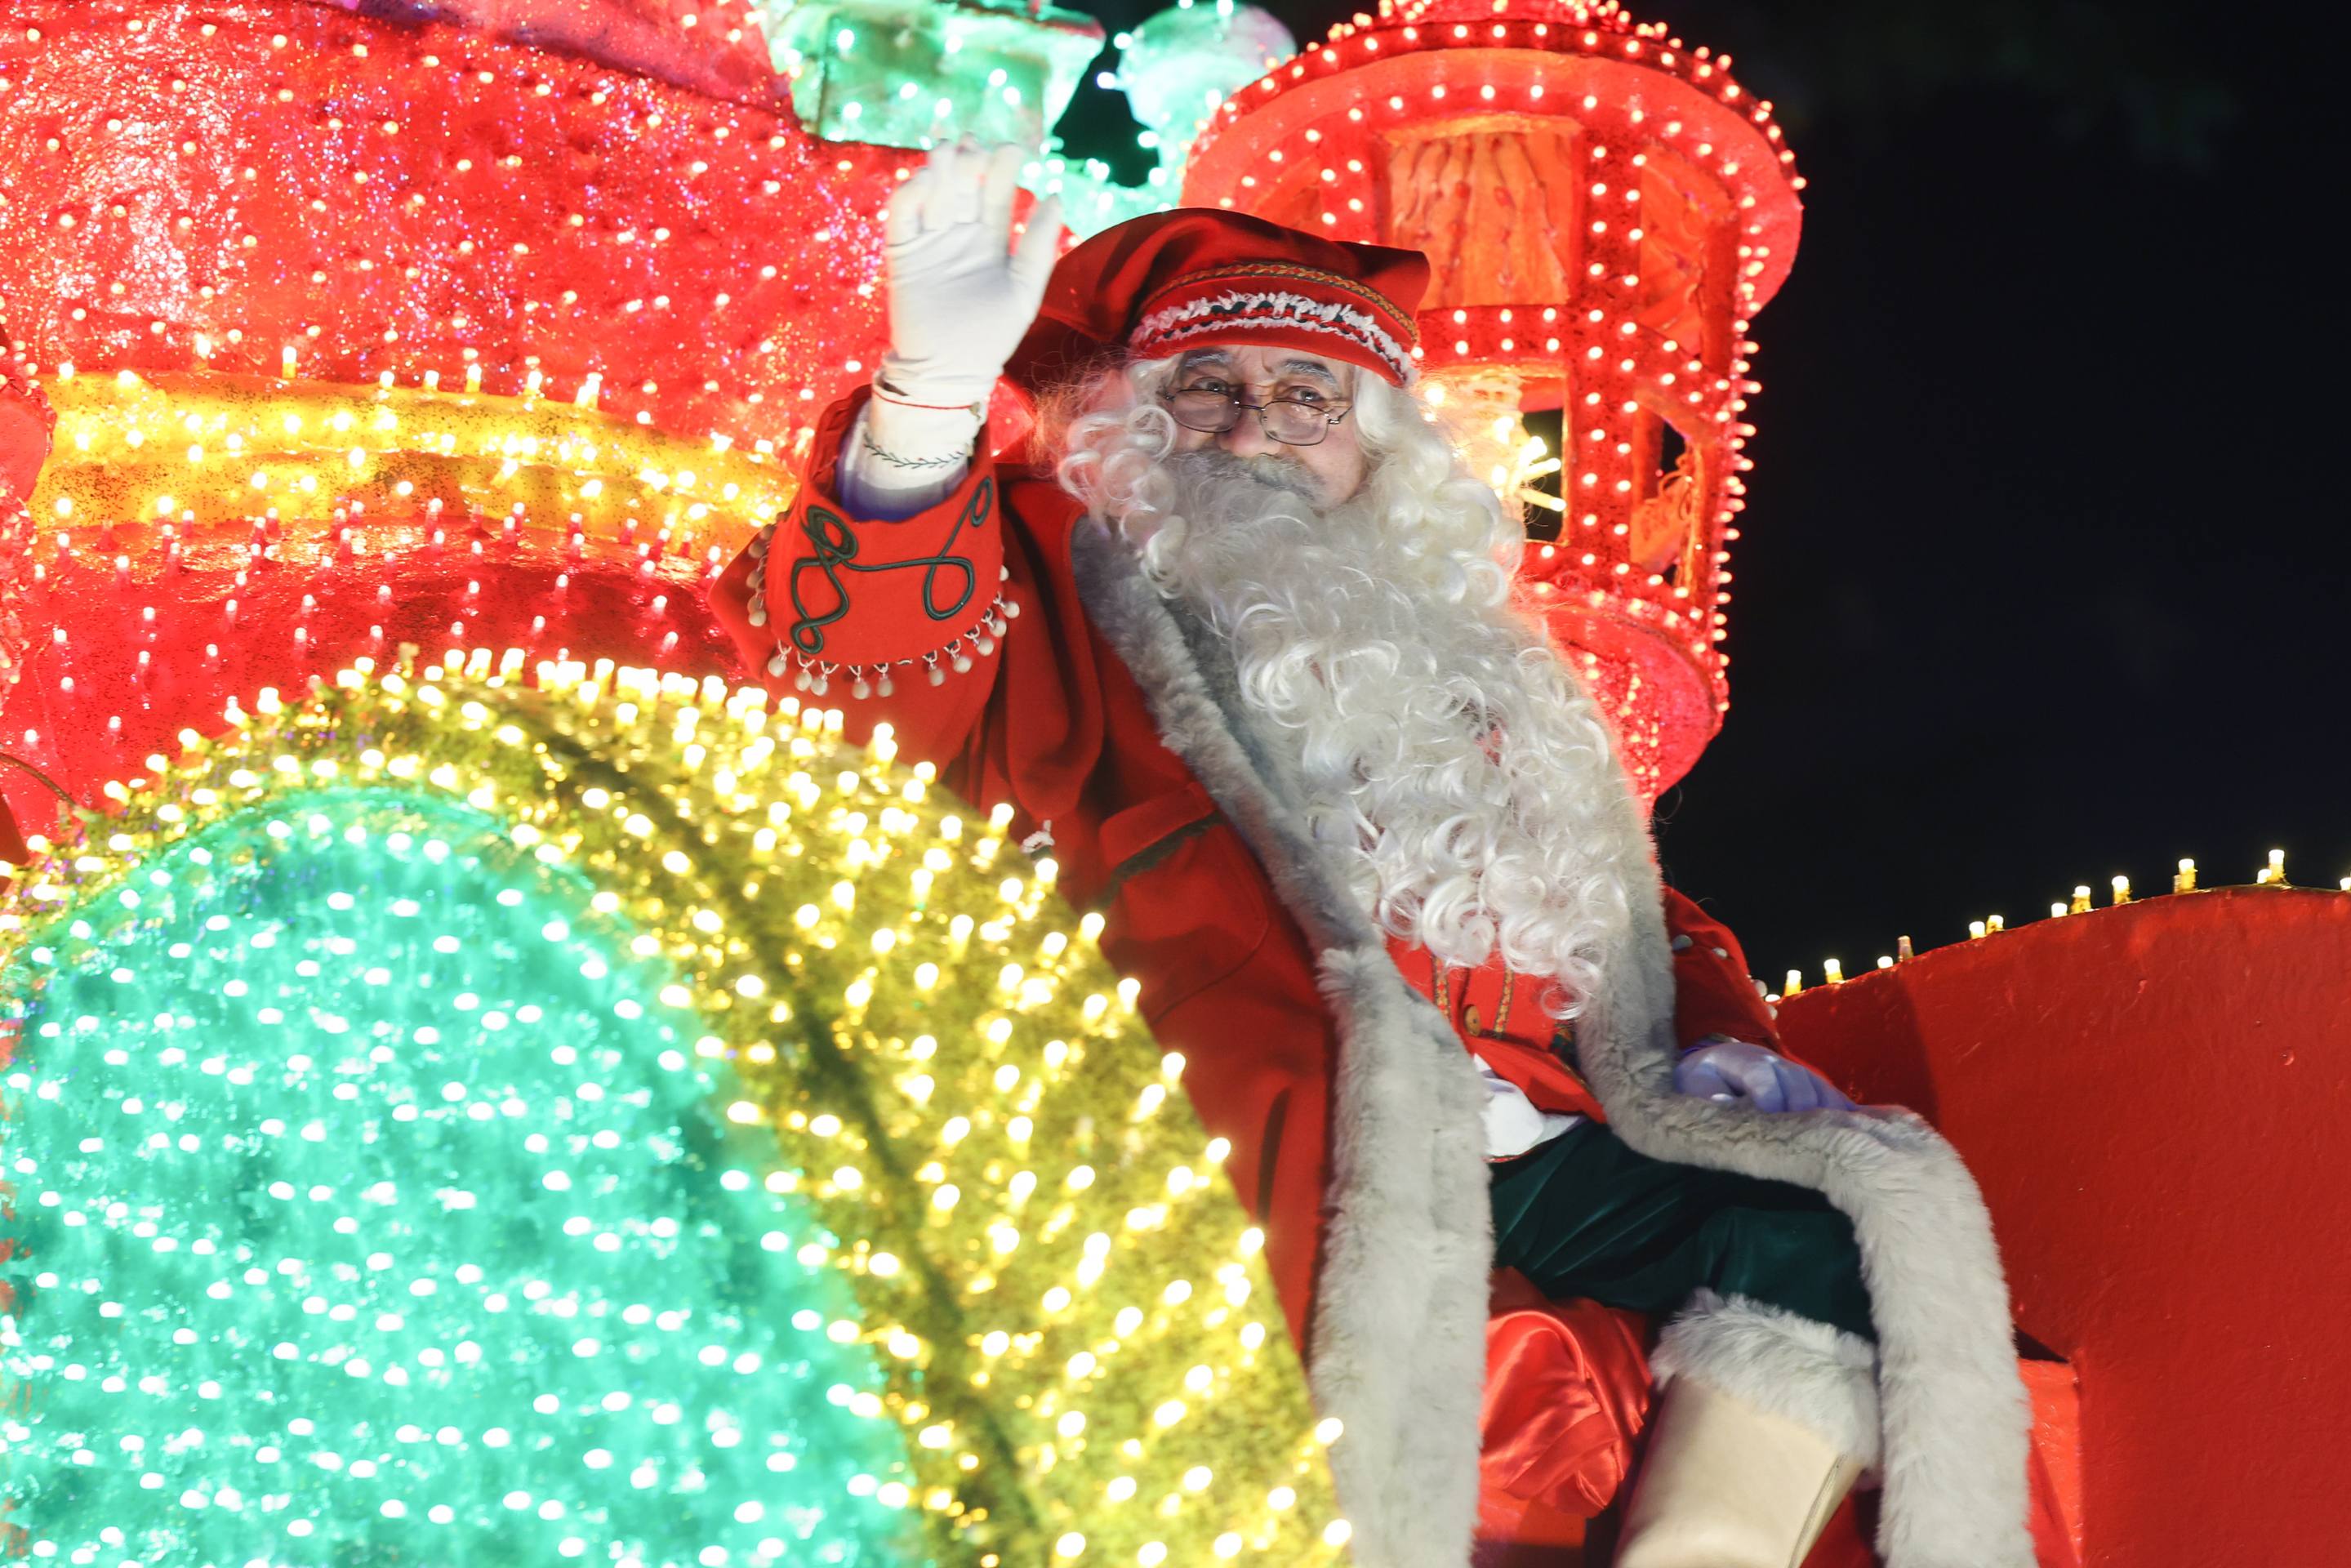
(2040, 582)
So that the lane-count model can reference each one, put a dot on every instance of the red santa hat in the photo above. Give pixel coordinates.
(1200, 277)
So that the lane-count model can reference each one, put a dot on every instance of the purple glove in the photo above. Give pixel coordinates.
(1724, 1070)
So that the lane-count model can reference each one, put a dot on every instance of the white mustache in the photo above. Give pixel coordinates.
(1212, 465)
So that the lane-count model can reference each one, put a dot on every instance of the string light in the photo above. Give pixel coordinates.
(295, 455)
(323, 522)
(514, 296)
(613, 999)
(1179, 64)
(387, 1217)
(2185, 880)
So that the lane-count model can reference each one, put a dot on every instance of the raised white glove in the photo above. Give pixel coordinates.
(959, 300)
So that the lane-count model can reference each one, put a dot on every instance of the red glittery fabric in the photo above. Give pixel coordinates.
(385, 195)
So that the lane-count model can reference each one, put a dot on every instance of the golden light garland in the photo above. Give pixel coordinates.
(174, 458)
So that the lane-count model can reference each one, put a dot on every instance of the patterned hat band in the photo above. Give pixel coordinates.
(1358, 335)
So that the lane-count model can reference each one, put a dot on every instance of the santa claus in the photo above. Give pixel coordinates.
(1240, 645)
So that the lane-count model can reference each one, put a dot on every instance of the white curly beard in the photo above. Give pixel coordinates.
(1439, 739)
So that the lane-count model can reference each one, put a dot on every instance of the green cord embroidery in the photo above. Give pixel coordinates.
(833, 550)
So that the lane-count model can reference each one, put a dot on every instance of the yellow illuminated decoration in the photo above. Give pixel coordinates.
(182, 458)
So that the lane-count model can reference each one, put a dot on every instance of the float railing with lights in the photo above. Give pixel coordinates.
(2186, 879)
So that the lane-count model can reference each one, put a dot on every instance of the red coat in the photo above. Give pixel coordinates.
(1048, 718)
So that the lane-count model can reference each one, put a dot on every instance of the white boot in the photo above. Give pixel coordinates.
(1726, 1485)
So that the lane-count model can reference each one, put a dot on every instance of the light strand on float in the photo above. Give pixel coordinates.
(2185, 880)
(144, 465)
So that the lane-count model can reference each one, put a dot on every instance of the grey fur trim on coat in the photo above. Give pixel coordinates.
(1819, 1378)
(1398, 1322)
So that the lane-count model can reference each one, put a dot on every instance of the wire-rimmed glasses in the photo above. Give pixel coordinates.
(1292, 421)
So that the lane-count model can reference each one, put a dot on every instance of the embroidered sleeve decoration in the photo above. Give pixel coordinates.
(858, 607)
(833, 550)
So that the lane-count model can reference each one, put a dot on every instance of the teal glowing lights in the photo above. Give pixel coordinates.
(903, 73)
(372, 1199)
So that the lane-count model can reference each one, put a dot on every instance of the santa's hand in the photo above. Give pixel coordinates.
(962, 292)
(1722, 1068)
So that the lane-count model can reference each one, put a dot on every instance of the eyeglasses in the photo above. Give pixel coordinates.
(1293, 422)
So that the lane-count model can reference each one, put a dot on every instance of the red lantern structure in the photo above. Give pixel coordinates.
(1606, 209)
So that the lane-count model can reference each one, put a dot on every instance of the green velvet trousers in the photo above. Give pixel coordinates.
(1582, 1215)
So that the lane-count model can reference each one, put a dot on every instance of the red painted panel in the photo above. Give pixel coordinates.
(2152, 1098)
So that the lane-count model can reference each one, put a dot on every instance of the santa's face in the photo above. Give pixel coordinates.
(1318, 394)
(1440, 747)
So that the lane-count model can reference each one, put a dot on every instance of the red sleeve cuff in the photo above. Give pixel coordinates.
(842, 595)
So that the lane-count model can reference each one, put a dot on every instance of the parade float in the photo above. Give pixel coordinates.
(423, 933)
